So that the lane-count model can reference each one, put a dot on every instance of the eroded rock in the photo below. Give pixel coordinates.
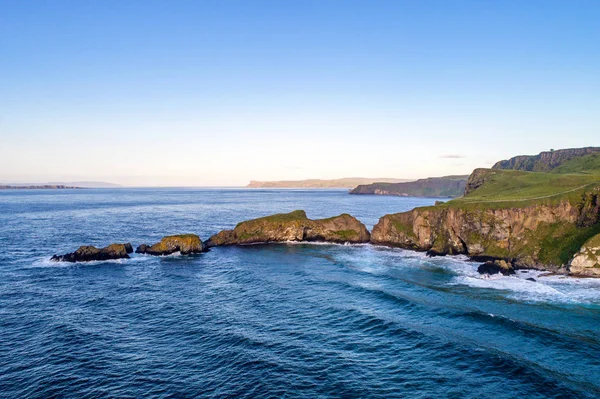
(185, 244)
(88, 253)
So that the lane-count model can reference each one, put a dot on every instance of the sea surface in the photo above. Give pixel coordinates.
(271, 321)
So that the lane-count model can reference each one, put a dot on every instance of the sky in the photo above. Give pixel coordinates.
(218, 93)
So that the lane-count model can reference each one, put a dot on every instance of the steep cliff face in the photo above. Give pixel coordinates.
(294, 226)
(545, 161)
(542, 235)
(449, 186)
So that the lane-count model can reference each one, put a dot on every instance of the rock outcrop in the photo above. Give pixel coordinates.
(539, 235)
(294, 226)
(90, 253)
(586, 262)
(185, 244)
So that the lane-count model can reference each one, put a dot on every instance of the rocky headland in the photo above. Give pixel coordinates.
(293, 226)
(537, 220)
(347, 182)
(432, 187)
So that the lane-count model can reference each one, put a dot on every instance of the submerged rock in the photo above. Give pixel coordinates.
(586, 262)
(185, 244)
(495, 267)
(293, 226)
(88, 253)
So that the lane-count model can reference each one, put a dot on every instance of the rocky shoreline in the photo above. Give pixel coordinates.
(409, 230)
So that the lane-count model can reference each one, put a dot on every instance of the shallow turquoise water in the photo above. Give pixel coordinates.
(289, 320)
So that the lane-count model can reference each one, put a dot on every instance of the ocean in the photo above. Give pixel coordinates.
(271, 321)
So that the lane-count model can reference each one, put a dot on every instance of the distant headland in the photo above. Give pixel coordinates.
(58, 185)
(347, 182)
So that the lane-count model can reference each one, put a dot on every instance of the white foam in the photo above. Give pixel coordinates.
(543, 289)
(46, 262)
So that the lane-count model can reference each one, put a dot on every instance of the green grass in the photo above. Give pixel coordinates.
(512, 188)
(562, 241)
(346, 234)
(589, 164)
(594, 242)
(279, 218)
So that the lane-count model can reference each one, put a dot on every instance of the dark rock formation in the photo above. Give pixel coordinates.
(294, 226)
(90, 253)
(434, 187)
(545, 161)
(498, 266)
(185, 244)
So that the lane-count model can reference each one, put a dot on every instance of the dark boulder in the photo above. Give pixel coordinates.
(495, 267)
(88, 253)
(432, 253)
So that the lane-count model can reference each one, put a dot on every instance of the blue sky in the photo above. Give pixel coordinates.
(222, 92)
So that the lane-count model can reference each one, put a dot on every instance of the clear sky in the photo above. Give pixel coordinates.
(222, 92)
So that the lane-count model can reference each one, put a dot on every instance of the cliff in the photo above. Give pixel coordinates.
(546, 161)
(294, 226)
(533, 220)
(434, 187)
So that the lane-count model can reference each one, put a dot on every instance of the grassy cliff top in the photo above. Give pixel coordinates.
(514, 188)
(280, 217)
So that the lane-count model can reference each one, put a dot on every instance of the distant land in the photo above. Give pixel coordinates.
(59, 185)
(432, 187)
(348, 182)
(39, 187)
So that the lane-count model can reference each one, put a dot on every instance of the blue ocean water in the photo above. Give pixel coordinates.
(288, 320)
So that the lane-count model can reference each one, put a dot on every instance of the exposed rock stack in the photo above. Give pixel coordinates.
(88, 253)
